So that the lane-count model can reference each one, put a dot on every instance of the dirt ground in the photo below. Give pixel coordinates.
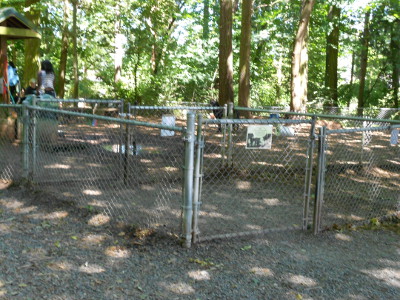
(51, 249)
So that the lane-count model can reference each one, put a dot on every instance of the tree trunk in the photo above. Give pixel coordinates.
(300, 60)
(225, 53)
(395, 49)
(64, 52)
(118, 46)
(244, 63)
(363, 63)
(206, 19)
(32, 46)
(75, 93)
(332, 50)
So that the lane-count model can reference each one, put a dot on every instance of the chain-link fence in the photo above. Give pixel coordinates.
(126, 170)
(10, 149)
(359, 175)
(253, 176)
(173, 115)
(245, 176)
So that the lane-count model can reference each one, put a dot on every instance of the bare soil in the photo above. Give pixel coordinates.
(52, 249)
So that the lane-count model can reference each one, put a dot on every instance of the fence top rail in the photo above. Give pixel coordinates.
(110, 119)
(78, 100)
(319, 116)
(142, 107)
(10, 105)
(255, 121)
(381, 128)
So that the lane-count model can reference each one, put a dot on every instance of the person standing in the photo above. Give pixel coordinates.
(13, 81)
(46, 79)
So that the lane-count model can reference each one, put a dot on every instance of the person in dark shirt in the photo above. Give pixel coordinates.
(31, 89)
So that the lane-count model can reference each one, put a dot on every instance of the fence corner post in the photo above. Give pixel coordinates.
(320, 184)
(197, 179)
(188, 170)
(25, 141)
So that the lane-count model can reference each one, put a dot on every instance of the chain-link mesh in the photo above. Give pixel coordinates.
(170, 115)
(253, 176)
(130, 172)
(10, 143)
(362, 176)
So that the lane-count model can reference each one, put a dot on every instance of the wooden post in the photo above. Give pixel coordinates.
(3, 67)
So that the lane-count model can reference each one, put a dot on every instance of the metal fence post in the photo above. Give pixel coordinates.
(223, 129)
(25, 141)
(126, 147)
(188, 181)
(308, 177)
(230, 116)
(34, 139)
(320, 184)
(197, 179)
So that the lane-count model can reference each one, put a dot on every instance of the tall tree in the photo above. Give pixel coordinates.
(299, 78)
(244, 62)
(64, 51)
(32, 12)
(206, 19)
(119, 50)
(225, 53)
(363, 62)
(395, 55)
(332, 51)
(75, 93)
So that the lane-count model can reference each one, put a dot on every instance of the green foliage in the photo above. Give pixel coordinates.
(167, 59)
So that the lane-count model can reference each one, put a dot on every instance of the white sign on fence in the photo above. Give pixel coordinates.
(259, 137)
(168, 120)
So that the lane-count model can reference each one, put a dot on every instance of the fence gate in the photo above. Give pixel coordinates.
(254, 176)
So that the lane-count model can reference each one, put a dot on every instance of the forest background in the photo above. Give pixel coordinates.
(251, 52)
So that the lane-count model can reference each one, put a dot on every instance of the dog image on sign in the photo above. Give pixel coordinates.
(259, 137)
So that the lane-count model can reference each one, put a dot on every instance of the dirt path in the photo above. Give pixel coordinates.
(53, 250)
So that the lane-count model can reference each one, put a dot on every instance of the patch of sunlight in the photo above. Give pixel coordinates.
(13, 204)
(2, 292)
(4, 229)
(243, 185)
(93, 165)
(146, 161)
(343, 237)
(92, 192)
(99, 220)
(171, 169)
(94, 239)
(179, 288)
(91, 269)
(60, 266)
(117, 252)
(347, 217)
(67, 194)
(50, 216)
(302, 280)
(391, 276)
(262, 271)
(389, 262)
(199, 275)
(98, 203)
(57, 166)
(25, 210)
(147, 188)
(254, 227)
(272, 202)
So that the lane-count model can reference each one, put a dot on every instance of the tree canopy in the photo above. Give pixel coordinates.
(155, 51)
